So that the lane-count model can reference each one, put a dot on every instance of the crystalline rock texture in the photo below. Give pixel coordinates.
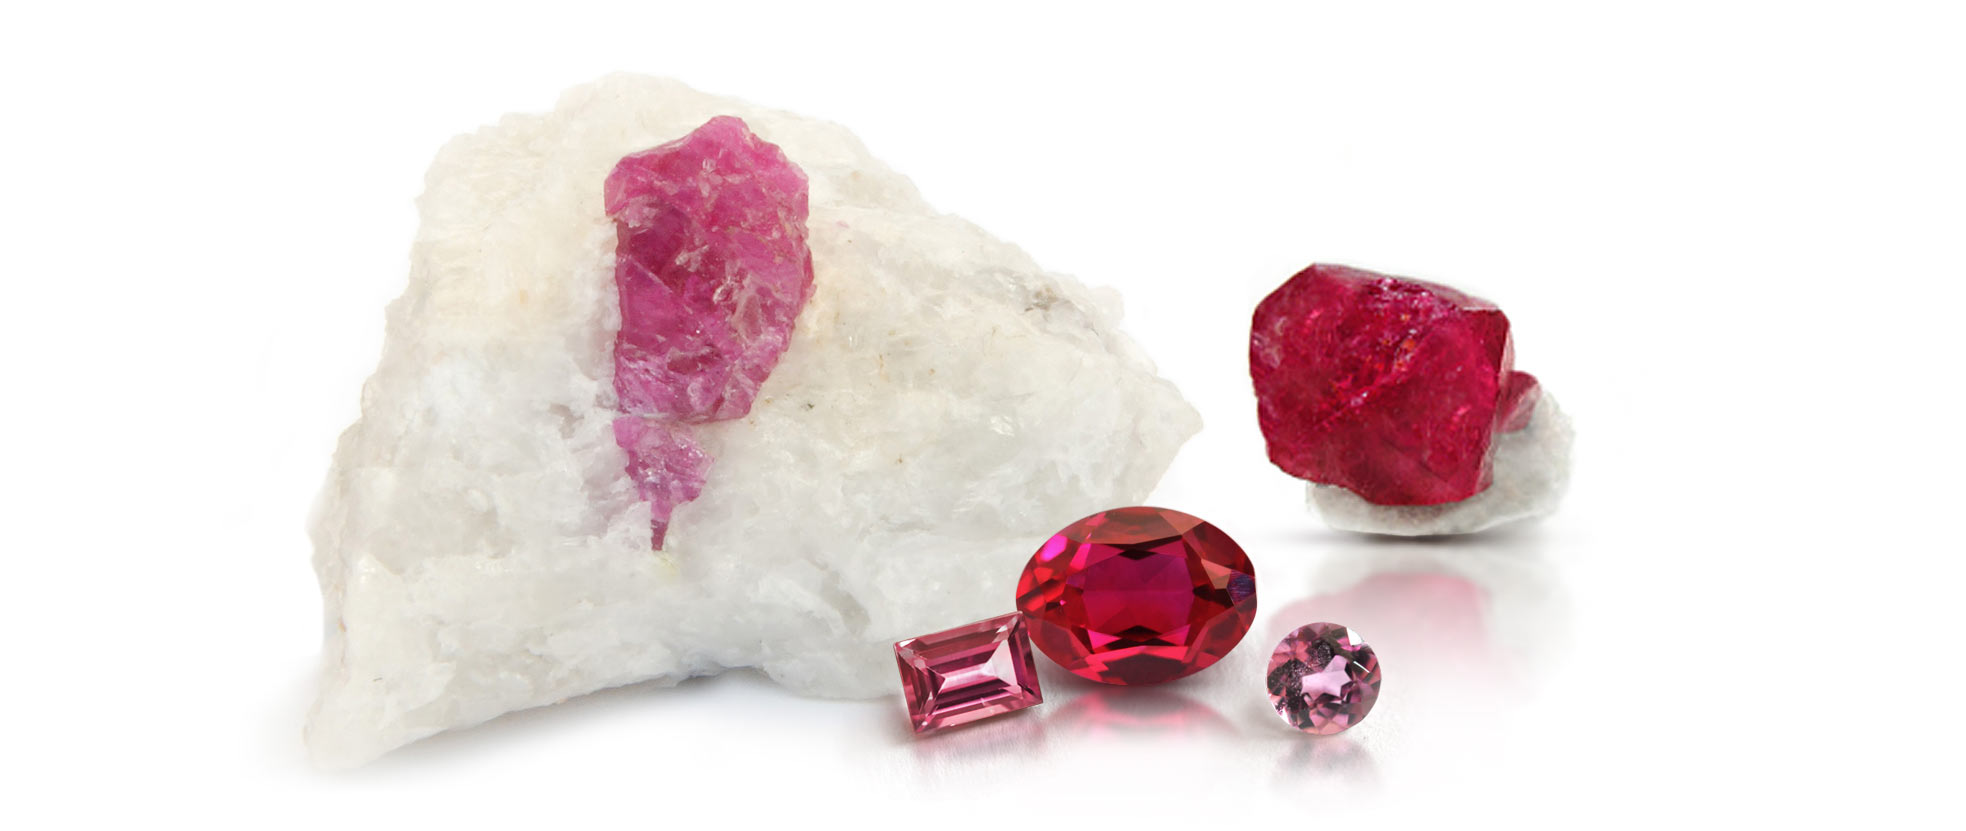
(1398, 399)
(484, 542)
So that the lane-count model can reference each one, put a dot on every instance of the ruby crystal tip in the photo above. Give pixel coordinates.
(1138, 596)
(971, 672)
(1323, 679)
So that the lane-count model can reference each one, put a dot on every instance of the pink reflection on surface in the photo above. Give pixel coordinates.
(1432, 628)
(1328, 763)
(955, 758)
(1460, 627)
(1132, 713)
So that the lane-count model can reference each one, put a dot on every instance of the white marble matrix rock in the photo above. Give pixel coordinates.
(943, 406)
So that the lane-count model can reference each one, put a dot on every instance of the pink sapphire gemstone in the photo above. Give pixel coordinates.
(1391, 388)
(967, 673)
(1323, 679)
(712, 267)
(1138, 596)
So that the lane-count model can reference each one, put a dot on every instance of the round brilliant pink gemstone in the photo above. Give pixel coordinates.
(1323, 679)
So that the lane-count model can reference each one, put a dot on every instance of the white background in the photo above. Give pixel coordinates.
(1729, 236)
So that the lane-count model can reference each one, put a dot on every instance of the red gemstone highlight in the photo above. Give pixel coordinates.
(1323, 679)
(1391, 388)
(968, 673)
(1138, 596)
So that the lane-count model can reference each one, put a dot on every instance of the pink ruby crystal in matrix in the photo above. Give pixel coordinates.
(967, 673)
(1391, 388)
(1138, 596)
(1323, 679)
(666, 465)
(712, 267)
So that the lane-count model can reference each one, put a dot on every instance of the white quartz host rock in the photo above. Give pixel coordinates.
(944, 405)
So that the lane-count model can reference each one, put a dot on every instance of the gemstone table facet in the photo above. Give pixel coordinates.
(967, 673)
(1138, 596)
(1323, 679)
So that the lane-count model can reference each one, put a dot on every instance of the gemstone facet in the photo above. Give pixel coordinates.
(1138, 596)
(712, 266)
(967, 673)
(1391, 388)
(1323, 679)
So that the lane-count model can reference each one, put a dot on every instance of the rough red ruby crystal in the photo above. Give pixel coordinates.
(1138, 596)
(1323, 679)
(712, 266)
(1391, 388)
(967, 673)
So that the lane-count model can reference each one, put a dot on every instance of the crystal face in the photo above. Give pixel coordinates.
(1323, 679)
(1138, 596)
(1391, 388)
(712, 266)
(967, 673)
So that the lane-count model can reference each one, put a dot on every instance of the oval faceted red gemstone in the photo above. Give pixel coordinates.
(1138, 596)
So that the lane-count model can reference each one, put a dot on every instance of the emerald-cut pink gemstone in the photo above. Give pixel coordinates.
(971, 672)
